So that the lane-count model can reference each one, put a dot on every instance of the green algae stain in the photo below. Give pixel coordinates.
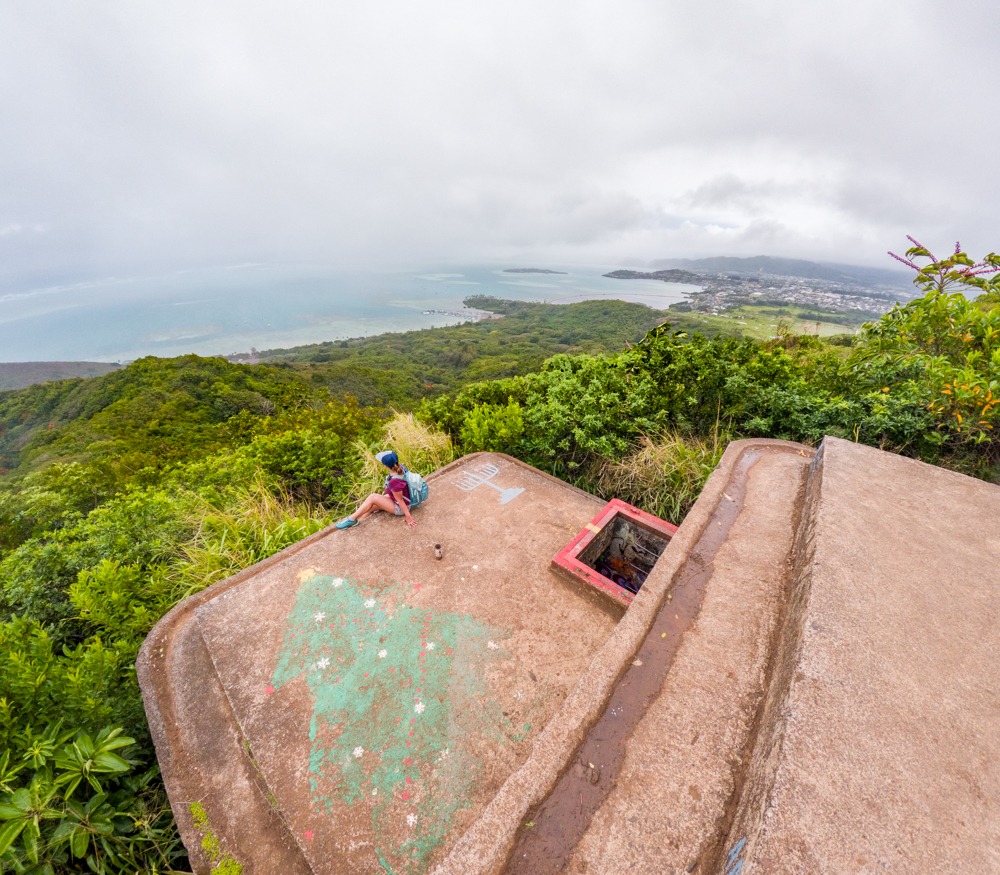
(401, 708)
(222, 863)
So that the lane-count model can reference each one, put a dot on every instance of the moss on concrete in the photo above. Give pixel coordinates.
(222, 863)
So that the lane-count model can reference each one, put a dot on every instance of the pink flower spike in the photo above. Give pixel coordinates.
(309, 835)
(268, 690)
(905, 261)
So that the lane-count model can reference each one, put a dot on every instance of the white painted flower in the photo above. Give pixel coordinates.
(369, 603)
(445, 754)
(382, 654)
(411, 819)
(337, 582)
(374, 791)
(492, 645)
(323, 663)
(319, 616)
(419, 707)
(358, 752)
(430, 645)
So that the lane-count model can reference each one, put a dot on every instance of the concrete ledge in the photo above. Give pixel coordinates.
(188, 713)
(669, 807)
(183, 720)
(880, 745)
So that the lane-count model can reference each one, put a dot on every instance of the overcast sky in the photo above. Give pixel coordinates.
(145, 137)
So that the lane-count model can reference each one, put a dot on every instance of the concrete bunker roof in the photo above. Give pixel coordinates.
(386, 695)
(802, 684)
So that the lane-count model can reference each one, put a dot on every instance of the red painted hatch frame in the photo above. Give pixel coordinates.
(566, 562)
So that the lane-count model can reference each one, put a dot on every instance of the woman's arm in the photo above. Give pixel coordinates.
(410, 521)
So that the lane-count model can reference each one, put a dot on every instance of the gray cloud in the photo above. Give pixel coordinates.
(153, 138)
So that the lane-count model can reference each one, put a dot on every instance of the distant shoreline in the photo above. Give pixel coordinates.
(467, 314)
(227, 314)
(534, 270)
(20, 375)
(684, 277)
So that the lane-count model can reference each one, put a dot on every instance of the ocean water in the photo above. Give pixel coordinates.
(230, 310)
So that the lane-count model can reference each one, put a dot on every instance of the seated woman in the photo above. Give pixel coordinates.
(395, 499)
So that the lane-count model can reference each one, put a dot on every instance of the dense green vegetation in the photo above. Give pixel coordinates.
(928, 393)
(122, 494)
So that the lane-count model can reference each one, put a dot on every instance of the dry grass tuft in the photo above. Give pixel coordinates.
(663, 476)
(420, 447)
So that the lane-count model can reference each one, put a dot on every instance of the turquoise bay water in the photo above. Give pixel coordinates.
(222, 311)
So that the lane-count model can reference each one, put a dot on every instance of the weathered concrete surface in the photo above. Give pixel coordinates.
(198, 743)
(651, 821)
(379, 697)
(880, 744)
(683, 760)
(232, 792)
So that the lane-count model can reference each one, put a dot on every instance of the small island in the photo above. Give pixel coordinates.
(668, 276)
(533, 270)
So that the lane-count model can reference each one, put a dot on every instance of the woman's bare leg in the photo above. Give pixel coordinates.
(371, 504)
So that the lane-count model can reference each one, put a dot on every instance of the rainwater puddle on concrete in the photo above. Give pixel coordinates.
(559, 823)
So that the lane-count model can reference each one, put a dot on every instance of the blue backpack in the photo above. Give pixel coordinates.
(418, 488)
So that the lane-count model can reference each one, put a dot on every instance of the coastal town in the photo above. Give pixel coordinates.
(716, 293)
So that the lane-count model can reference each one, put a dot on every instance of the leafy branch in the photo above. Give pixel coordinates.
(940, 274)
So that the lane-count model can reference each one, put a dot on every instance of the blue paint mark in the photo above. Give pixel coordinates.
(734, 862)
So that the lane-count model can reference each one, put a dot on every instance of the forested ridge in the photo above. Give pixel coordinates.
(122, 494)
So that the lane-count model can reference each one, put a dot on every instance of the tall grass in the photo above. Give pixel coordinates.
(663, 476)
(255, 523)
(258, 519)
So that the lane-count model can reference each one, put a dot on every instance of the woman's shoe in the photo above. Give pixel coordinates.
(346, 523)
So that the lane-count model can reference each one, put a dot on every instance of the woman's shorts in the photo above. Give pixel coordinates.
(396, 509)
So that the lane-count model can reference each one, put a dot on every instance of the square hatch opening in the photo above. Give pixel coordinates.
(615, 551)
